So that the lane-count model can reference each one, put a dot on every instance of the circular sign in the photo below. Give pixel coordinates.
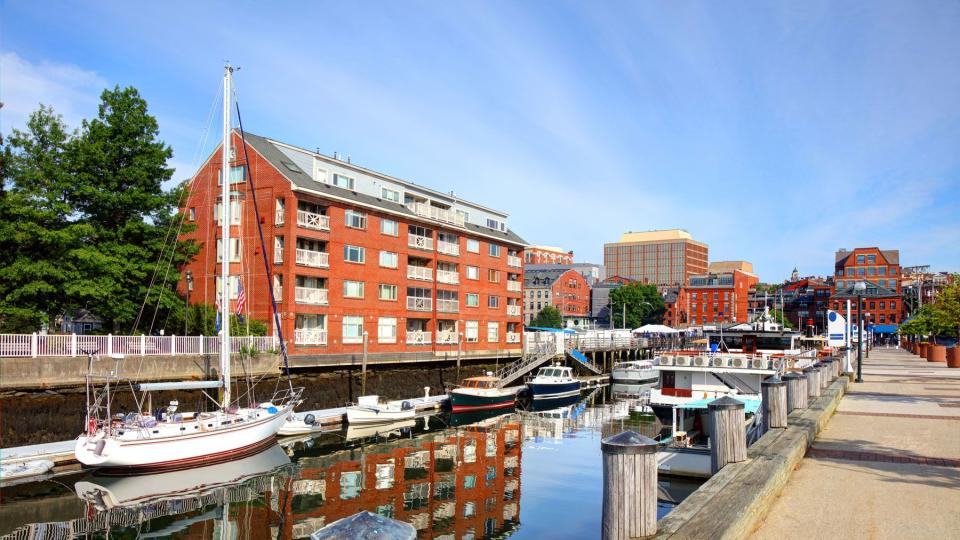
(833, 316)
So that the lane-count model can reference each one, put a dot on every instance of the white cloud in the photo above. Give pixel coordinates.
(73, 92)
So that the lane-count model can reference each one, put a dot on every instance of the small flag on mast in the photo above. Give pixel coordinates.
(241, 300)
(217, 328)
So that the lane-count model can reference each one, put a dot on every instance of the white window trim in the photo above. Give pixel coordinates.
(362, 251)
(396, 227)
(343, 328)
(396, 292)
(396, 259)
(363, 288)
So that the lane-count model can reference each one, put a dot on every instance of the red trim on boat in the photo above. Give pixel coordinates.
(466, 408)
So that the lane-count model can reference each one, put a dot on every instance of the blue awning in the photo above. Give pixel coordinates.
(884, 328)
(750, 405)
(544, 329)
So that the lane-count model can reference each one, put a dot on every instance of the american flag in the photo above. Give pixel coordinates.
(217, 327)
(241, 299)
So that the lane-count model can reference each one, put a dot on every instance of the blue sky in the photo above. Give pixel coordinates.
(775, 132)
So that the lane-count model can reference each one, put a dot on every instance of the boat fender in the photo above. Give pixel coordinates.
(99, 449)
(272, 410)
(406, 406)
(309, 420)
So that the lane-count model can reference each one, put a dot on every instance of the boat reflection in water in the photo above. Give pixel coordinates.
(456, 476)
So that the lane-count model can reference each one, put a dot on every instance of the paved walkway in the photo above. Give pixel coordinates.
(888, 463)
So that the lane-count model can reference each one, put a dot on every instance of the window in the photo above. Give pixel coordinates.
(390, 194)
(387, 329)
(473, 272)
(882, 282)
(473, 300)
(493, 276)
(354, 254)
(694, 296)
(494, 224)
(840, 284)
(840, 272)
(352, 289)
(193, 214)
(319, 174)
(882, 304)
(493, 331)
(893, 306)
(882, 270)
(860, 259)
(388, 259)
(871, 271)
(234, 250)
(389, 226)
(493, 250)
(235, 212)
(493, 301)
(352, 329)
(473, 246)
(343, 181)
(355, 220)
(236, 176)
(859, 271)
(388, 292)
(873, 305)
(471, 331)
(871, 259)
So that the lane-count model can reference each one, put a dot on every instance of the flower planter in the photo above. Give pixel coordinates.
(953, 357)
(923, 350)
(936, 353)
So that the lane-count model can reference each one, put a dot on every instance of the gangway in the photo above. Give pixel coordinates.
(521, 367)
(583, 361)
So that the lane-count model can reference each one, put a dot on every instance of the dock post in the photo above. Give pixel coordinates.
(812, 374)
(728, 434)
(629, 486)
(774, 392)
(796, 391)
(363, 367)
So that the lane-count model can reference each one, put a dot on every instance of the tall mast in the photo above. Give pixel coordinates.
(225, 240)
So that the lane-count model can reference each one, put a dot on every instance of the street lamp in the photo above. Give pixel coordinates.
(186, 308)
(859, 287)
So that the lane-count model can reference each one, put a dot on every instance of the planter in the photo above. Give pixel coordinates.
(953, 357)
(936, 353)
(923, 350)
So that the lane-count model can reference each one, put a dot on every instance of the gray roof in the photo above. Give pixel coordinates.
(302, 181)
(873, 291)
(891, 255)
(542, 278)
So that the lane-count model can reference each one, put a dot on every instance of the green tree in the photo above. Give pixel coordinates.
(549, 317)
(779, 317)
(642, 304)
(946, 308)
(201, 320)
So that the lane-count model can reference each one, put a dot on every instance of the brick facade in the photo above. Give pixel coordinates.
(721, 297)
(880, 270)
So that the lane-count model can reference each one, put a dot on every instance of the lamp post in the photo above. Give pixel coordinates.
(859, 287)
(868, 326)
(186, 307)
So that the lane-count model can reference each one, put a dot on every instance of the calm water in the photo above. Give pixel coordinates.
(525, 474)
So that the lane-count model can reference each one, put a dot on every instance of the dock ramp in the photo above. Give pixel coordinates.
(584, 361)
(521, 367)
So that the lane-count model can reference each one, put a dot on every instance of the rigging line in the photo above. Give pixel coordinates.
(263, 246)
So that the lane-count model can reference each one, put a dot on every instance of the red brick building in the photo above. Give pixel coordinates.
(880, 270)
(677, 314)
(356, 252)
(713, 298)
(567, 290)
(547, 255)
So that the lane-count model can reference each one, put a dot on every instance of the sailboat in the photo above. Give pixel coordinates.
(148, 440)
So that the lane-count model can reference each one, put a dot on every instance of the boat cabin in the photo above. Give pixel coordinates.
(755, 341)
(702, 376)
(480, 382)
(556, 372)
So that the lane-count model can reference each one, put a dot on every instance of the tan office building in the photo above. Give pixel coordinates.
(663, 258)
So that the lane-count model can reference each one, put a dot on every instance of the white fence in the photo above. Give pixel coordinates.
(34, 345)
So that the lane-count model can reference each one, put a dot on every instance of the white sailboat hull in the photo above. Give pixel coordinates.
(146, 453)
(360, 414)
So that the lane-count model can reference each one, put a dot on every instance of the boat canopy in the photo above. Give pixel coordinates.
(750, 405)
(655, 329)
(181, 385)
(545, 329)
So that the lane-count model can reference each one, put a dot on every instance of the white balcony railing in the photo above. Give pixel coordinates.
(513, 260)
(311, 295)
(513, 310)
(420, 242)
(439, 214)
(514, 286)
(446, 338)
(278, 216)
(316, 259)
(420, 272)
(418, 337)
(513, 337)
(310, 336)
(448, 306)
(448, 248)
(311, 220)
(415, 303)
(448, 276)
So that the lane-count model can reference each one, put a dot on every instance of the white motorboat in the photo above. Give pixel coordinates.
(303, 423)
(386, 431)
(370, 410)
(24, 469)
(634, 372)
(149, 440)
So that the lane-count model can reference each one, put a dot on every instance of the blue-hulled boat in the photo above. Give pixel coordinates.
(554, 382)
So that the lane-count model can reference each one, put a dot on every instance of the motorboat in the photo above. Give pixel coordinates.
(554, 382)
(481, 393)
(385, 431)
(634, 372)
(370, 410)
(24, 469)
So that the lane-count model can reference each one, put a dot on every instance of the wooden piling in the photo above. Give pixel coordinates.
(796, 391)
(812, 374)
(629, 486)
(728, 433)
(774, 394)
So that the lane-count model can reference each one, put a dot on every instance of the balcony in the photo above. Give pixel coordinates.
(310, 295)
(514, 286)
(420, 242)
(447, 276)
(446, 338)
(423, 209)
(415, 303)
(310, 220)
(418, 337)
(514, 261)
(513, 337)
(420, 272)
(513, 310)
(310, 336)
(315, 259)
(448, 248)
(448, 306)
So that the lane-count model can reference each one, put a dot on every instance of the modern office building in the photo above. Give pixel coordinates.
(547, 255)
(664, 258)
(565, 289)
(356, 253)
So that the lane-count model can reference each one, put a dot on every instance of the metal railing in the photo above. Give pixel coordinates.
(420, 242)
(448, 248)
(439, 214)
(310, 336)
(446, 338)
(311, 295)
(514, 286)
(316, 259)
(418, 337)
(420, 272)
(513, 310)
(513, 337)
(448, 306)
(514, 371)
(73, 345)
(416, 303)
(447, 276)
(514, 261)
(312, 220)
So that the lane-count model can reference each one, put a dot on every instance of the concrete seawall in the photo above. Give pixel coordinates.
(59, 372)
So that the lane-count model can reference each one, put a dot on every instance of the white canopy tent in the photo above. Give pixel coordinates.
(654, 329)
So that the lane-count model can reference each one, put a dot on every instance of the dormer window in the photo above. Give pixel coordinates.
(390, 195)
(343, 181)
(319, 173)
